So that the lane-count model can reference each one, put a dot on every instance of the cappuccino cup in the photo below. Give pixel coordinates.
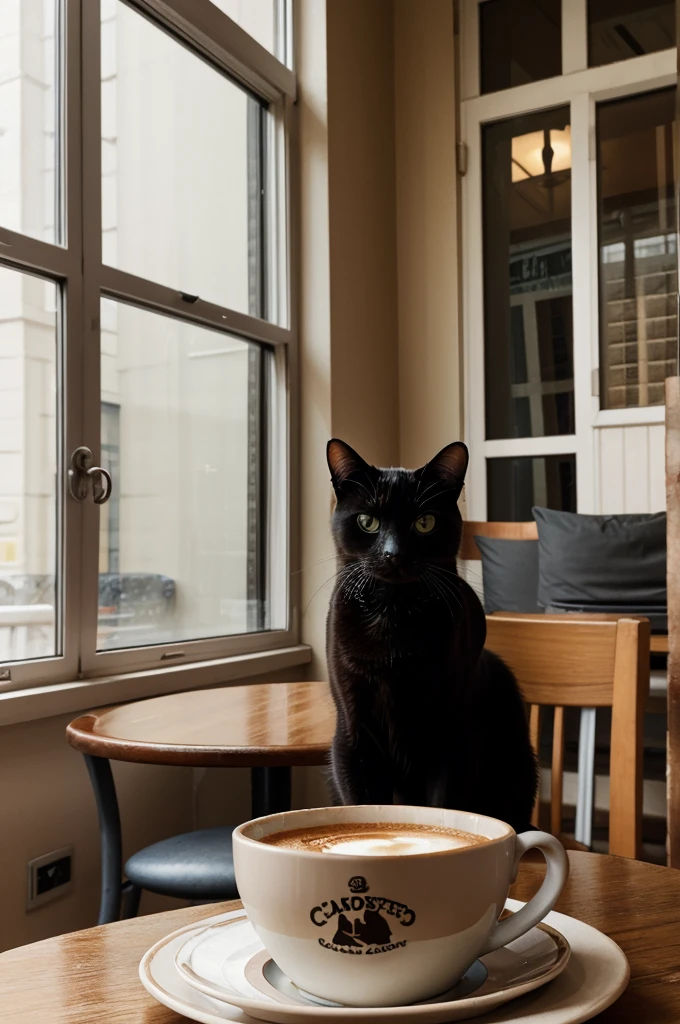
(384, 905)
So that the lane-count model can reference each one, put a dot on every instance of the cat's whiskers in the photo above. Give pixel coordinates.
(444, 594)
(446, 583)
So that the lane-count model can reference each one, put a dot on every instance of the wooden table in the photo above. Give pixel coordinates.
(91, 976)
(267, 727)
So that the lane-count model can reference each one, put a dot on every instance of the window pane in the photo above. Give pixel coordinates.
(619, 29)
(258, 17)
(29, 597)
(181, 553)
(528, 338)
(514, 486)
(181, 162)
(638, 258)
(519, 41)
(28, 122)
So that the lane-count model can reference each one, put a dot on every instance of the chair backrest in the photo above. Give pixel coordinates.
(562, 661)
(469, 551)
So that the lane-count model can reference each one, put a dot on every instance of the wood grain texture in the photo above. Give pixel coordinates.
(505, 531)
(90, 977)
(557, 660)
(556, 772)
(673, 575)
(535, 738)
(566, 660)
(273, 724)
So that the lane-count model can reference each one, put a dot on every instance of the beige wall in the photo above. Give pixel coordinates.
(430, 378)
(46, 802)
(379, 303)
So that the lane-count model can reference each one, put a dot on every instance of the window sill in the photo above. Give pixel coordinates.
(46, 701)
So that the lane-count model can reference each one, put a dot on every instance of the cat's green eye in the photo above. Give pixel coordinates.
(424, 524)
(369, 524)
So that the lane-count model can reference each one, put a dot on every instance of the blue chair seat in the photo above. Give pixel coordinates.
(194, 866)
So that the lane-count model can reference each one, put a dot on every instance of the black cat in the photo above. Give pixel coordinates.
(425, 715)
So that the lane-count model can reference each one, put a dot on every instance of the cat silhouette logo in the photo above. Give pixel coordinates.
(361, 924)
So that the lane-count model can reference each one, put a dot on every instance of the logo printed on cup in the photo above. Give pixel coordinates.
(359, 924)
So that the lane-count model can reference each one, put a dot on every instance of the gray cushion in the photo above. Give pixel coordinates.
(607, 561)
(510, 574)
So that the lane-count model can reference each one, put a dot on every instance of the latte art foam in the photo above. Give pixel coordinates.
(373, 839)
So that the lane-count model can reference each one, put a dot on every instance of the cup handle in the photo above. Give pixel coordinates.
(531, 913)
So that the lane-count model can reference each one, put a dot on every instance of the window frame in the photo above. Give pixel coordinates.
(77, 267)
(582, 88)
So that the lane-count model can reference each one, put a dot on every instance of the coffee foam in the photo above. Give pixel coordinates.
(373, 839)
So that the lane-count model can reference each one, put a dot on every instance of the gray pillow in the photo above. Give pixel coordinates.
(608, 561)
(510, 574)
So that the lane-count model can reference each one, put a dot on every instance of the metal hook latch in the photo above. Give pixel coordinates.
(81, 472)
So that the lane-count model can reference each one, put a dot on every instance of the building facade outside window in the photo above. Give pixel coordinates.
(569, 258)
(145, 314)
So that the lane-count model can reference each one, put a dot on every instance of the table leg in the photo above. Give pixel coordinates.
(269, 790)
(101, 777)
(583, 831)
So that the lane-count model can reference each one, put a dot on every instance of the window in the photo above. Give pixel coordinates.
(638, 257)
(528, 341)
(515, 485)
(620, 29)
(145, 307)
(569, 258)
(520, 41)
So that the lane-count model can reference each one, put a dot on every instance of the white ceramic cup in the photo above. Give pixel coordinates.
(431, 914)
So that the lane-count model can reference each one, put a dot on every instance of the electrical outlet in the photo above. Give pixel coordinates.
(49, 876)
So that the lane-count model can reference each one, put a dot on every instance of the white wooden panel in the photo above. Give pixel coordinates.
(636, 469)
(657, 470)
(611, 471)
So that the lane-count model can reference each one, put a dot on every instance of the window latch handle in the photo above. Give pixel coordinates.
(81, 473)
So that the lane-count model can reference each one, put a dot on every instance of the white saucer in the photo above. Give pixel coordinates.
(227, 961)
(595, 976)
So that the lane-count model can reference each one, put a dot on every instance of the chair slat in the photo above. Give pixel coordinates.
(535, 737)
(469, 552)
(625, 766)
(582, 675)
(556, 772)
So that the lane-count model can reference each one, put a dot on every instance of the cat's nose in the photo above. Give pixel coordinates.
(393, 558)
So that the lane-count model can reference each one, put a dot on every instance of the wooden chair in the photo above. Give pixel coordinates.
(561, 662)
(469, 551)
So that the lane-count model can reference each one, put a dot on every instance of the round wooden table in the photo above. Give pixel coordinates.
(91, 976)
(267, 727)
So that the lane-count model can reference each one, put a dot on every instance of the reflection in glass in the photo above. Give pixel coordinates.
(182, 193)
(29, 559)
(519, 41)
(528, 335)
(30, 124)
(181, 551)
(620, 29)
(637, 240)
(514, 486)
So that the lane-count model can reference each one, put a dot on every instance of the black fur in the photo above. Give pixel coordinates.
(424, 714)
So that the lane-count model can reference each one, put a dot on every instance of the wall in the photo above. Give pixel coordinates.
(630, 471)
(430, 378)
(348, 312)
(379, 334)
(46, 802)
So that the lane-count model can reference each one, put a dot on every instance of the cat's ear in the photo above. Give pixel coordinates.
(345, 464)
(449, 465)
